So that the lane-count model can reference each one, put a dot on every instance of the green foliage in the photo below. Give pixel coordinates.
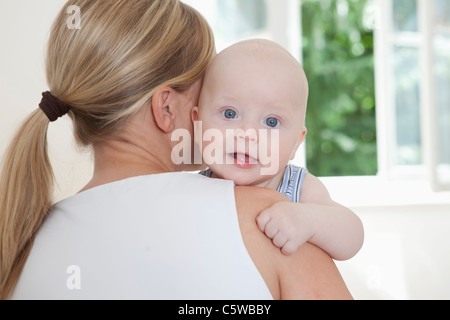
(339, 62)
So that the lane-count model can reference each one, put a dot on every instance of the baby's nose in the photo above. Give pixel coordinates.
(246, 135)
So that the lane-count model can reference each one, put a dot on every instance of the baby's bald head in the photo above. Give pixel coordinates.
(261, 57)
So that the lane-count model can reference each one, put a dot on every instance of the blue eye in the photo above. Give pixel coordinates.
(272, 122)
(229, 114)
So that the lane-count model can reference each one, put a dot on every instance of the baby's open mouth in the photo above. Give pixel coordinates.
(243, 159)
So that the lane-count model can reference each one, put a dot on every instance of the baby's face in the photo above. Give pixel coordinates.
(258, 108)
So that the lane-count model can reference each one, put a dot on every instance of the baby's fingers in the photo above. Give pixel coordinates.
(289, 248)
(280, 240)
(263, 219)
(271, 230)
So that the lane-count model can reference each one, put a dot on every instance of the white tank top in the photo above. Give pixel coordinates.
(167, 236)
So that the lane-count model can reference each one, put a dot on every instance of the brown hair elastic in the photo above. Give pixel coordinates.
(52, 106)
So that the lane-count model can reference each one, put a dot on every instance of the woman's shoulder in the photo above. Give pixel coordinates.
(250, 201)
(254, 197)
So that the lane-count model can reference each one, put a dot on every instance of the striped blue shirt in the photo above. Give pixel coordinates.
(291, 185)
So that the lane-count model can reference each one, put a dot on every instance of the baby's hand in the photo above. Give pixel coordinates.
(286, 225)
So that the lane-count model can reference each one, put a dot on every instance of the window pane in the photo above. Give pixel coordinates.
(232, 20)
(442, 69)
(338, 60)
(442, 11)
(407, 106)
(405, 15)
(240, 18)
(443, 102)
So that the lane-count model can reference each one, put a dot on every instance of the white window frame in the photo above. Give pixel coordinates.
(384, 40)
(430, 134)
(423, 40)
(285, 28)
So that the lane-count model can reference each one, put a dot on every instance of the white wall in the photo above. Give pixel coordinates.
(406, 253)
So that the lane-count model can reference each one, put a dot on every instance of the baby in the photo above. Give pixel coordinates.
(257, 87)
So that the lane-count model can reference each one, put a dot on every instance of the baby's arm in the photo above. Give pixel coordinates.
(316, 219)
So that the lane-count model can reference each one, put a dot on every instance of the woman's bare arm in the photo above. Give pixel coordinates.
(307, 274)
(310, 274)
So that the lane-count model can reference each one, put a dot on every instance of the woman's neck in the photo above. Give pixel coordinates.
(131, 153)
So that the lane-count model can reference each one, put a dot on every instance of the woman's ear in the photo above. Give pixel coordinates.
(299, 142)
(163, 109)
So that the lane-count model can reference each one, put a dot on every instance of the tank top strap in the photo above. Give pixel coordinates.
(291, 185)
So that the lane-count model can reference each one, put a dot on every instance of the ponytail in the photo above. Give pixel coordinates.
(26, 187)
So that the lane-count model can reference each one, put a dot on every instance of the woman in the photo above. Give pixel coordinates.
(128, 79)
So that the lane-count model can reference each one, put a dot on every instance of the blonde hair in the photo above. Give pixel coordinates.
(105, 71)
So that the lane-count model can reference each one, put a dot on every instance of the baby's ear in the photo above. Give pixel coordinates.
(299, 142)
(194, 114)
(197, 126)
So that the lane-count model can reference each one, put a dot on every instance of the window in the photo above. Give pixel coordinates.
(339, 61)
(380, 77)
(413, 72)
(436, 94)
(233, 20)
